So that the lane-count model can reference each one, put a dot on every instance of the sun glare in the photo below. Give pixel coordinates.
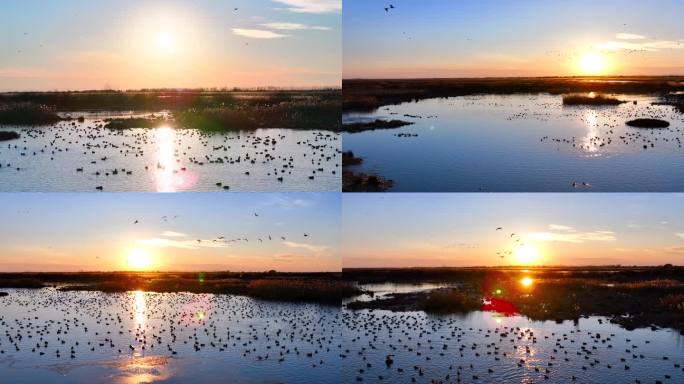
(527, 254)
(592, 63)
(139, 259)
(165, 41)
(526, 281)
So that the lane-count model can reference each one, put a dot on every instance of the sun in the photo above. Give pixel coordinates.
(165, 41)
(527, 254)
(526, 281)
(139, 259)
(592, 63)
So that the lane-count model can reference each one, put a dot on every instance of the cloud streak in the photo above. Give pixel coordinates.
(312, 6)
(566, 234)
(630, 42)
(258, 33)
(293, 27)
(629, 36)
(308, 247)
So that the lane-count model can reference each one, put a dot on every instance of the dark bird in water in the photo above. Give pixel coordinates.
(255, 214)
(499, 228)
(306, 235)
(135, 222)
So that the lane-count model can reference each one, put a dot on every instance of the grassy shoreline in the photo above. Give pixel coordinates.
(211, 111)
(371, 94)
(322, 288)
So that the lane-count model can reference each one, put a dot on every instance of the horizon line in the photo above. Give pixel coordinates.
(513, 77)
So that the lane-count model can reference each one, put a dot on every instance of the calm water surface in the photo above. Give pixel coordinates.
(429, 349)
(139, 337)
(522, 143)
(76, 157)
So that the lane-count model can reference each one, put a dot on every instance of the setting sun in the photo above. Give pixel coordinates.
(139, 259)
(527, 254)
(165, 41)
(592, 63)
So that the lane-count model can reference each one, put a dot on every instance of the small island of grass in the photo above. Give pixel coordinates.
(373, 125)
(8, 135)
(648, 123)
(591, 100)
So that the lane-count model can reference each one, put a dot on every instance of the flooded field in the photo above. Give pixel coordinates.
(72, 337)
(82, 156)
(486, 347)
(530, 143)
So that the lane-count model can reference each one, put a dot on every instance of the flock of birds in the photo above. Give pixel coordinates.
(48, 327)
(223, 239)
(407, 347)
(514, 237)
(100, 156)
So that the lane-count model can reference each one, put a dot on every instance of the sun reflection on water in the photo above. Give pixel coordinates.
(592, 119)
(139, 309)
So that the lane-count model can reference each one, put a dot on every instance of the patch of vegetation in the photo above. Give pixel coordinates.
(304, 115)
(451, 301)
(373, 125)
(21, 283)
(371, 94)
(348, 159)
(27, 113)
(633, 297)
(360, 182)
(648, 123)
(134, 122)
(591, 100)
(8, 135)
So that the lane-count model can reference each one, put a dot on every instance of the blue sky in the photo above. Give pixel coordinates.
(81, 44)
(452, 38)
(89, 231)
(460, 229)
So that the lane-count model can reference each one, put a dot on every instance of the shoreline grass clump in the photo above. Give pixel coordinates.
(648, 123)
(134, 122)
(27, 114)
(21, 283)
(373, 125)
(591, 100)
(451, 301)
(8, 135)
(348, 159)
(295, 114)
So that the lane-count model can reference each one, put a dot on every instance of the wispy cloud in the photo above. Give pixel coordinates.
(173, 234)
(557, 227)
(566, 234)
(634, 44)
(629, 36)
(675, 250)
(258, 33)
(312, 6)
(680, 235)
(294, 27)
(308, 247)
